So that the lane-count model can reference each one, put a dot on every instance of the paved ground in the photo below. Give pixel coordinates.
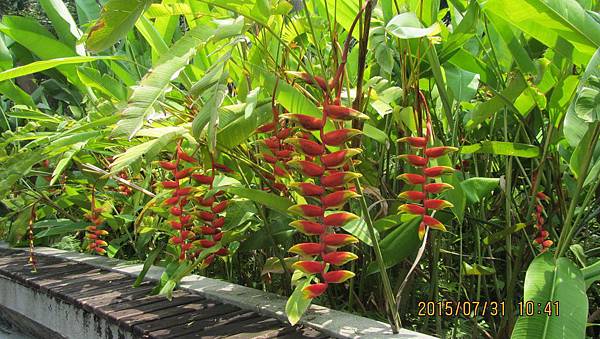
(7, 331)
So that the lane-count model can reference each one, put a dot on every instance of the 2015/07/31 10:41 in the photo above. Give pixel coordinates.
(481, 308)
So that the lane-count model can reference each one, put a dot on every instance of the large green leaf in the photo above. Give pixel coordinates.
(560, 24)
(147, 95)
(58, 226)
(297, 304)
(550, 280)
(43, 65)
(408, 26)
(503, 148)
(63, 23)
(398, 244)
(257, 10)
(269, 200)
(477, 188)
(116, 19)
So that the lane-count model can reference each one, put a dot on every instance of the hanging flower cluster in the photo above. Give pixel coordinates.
(95, 232)
(420, 202)
(209, 233)
(275, 150)
(325, 166)
(192, 239)
(542, 238)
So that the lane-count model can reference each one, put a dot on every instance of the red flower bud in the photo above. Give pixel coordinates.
(412, 209)
(433, 223)
(100, 250)
(340, 136)
(309, 267)
(307, 147)
(338, 239)
(203, 179)
(101, 232)
(222, 168)
(547, 243)
(437, 188)
(184, 156)
(337, 199)
(206, 230)
(542, 196)
(205, 243)
(280, 172)
(175, 225)
(339, 258)
(183, 173)
(417, 142)
(309, 211)
(207, 216)
(307, 189)
(414, 160)
(308, 227)
(183, 191)
(339, 219)
(218, 236)
(272, 142)
(337, 159)
(413, 179)
(306, 121)
(284, 153)
(172, 201)
(269, 158)
(222, 251)
(175, 211)
(284, 133)
(91, 236)
(437, 204)
(170, 184)
(412, 195)
(338, 178)
(437, 171)
(219, 222)
(308, 168)
(307, 248)
(319, 81)
(342, 112)
(207, 202)
(220, 207)
(435, 152)
(314, 290)
(185, 219)
(336, 277)
(209, 260)
(167, 165)
(266, 128)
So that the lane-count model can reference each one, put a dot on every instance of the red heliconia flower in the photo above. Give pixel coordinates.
(220, 207)
(413, 179)
(433, 223)
(206, 243)
(219, 222)
(172, 200)
(207, 216)
(175, 225)
(306, 121)
(272, 142)
(167, 165)
(222, 168)
(414, 160)
(170, 184)
(91, 236)
(218, 236)
(307, 248)
(314, 290)
(183, 173)
(222, 251)
(337, 277)
(437, 188)
(266, 127)
(339, 258)
(412, 209)
(337, 199)
(208, 260)
(280, 172)
(184, 156)
(207, 230)
(417, 142)
(307, 189)
(269, 158)
(307, 147)
(103, 251)
(437, 171)
(336, 179)
(309, 267)
(437, 204)
(308, 227)
(284, 133)
(339, 239)
(339, 219)
(203, 179)
(309, 211)
(436, 152)
(308, 168)
(342, 112)
(284, 153)
(185, 219)
(175, 211)
(207, 202)
(340, 136)
(413, 195)
(322, 83)
(421, 231)
(337, 159)
(542, 196)
(183, 191)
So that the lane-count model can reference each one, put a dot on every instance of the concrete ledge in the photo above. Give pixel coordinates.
(331, 322)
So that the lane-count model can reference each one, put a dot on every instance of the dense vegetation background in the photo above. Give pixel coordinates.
(455, 144)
